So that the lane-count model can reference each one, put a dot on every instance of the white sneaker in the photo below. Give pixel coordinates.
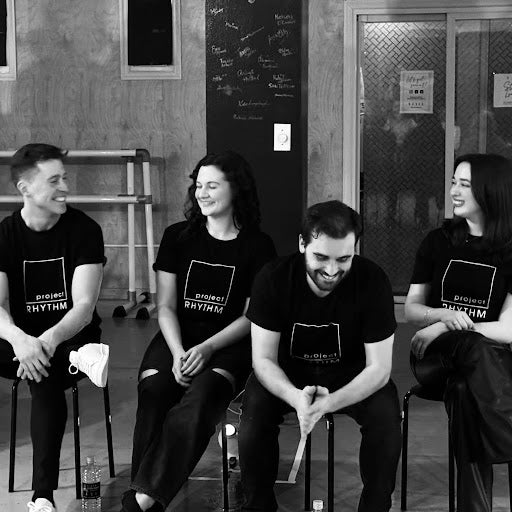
(41, 505)
(92, 359)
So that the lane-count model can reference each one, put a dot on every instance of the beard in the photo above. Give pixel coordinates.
(325, 285)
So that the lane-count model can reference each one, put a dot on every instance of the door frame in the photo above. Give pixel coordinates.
(454, 10)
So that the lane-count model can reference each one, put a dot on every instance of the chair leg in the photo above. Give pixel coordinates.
(451, 473)
(405, 436)
(12, 445)
(510, 484)
(307, 474)
(225, 471)
(108, 427)
(76, 431)
(330, 462)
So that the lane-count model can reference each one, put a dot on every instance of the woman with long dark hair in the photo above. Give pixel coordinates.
(461, 297)
(201, 357)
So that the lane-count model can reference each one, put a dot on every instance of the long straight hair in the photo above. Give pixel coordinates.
(491, 184)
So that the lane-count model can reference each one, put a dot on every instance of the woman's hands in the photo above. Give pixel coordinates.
(424, 337)
(456, 320)
(194, 360)
(177, 363)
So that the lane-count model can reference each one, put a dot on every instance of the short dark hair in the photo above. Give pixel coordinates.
(28, 156)
(332, 218)
(238, 172)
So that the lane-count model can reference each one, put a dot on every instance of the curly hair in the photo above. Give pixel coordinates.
(238, 172)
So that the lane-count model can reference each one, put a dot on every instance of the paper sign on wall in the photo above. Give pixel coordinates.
(416, 92)
(503, 90)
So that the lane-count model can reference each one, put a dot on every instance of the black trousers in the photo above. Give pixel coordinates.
(49, 412)
(473, 375)
(262, 413)
(173, 423)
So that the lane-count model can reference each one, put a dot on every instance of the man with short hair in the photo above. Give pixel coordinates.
(51, 267)
(322, 338)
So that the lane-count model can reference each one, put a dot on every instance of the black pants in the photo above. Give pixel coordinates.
(49, 412)
(473, 375)
(173, 424)
(262, 413)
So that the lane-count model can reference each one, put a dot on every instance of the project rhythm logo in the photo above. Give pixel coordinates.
(45, 285)
(467, 286)
(319, 344)
(208, 286)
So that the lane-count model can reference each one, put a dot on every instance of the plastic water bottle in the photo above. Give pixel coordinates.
(91, 499)
(318, 505)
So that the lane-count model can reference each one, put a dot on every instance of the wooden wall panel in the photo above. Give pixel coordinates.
(69, 93)
(325, 100)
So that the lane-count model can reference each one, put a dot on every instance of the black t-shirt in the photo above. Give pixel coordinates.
(40, 267)
(213, 277)
(322, 336)
(462, 277)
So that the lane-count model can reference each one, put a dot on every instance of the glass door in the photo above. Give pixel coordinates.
(431, 87)
(402, 138)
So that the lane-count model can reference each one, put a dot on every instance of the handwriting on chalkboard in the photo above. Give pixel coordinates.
(267, 62)
(251, 34)
(226, 63)
(248, 75)
(280, 34)
(228, 90)
(284, 19)
(252, 58)
(241, 117)
(217, 50)
(253, 103)
(285, 52)
(246, 52)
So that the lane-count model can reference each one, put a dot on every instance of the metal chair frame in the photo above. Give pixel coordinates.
(76, 432)
(419, 391)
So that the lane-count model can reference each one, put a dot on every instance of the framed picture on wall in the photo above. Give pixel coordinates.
(7, 40)
(150, 39)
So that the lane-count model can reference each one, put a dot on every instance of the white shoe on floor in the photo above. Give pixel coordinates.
(91, 359)
(41, 505)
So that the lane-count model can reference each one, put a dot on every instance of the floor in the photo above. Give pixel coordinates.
(128, 338)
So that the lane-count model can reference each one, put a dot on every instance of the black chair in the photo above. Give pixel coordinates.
(424, 393)
(76, 430)
(329, 420)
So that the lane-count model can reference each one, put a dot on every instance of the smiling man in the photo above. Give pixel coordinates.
(51, 266)
(322, 338)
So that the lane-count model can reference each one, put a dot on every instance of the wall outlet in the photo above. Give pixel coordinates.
(282, 137)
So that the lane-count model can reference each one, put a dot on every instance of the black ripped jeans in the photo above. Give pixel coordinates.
(472, 374)
(173, 424)
(49, 411)
(262, 413)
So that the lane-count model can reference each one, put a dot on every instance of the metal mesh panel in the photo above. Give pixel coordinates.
(483, 49)
(402, 156)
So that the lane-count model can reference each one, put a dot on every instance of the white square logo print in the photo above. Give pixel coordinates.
(319, 344)
(468, 284)
(44, 281)
(209, 282)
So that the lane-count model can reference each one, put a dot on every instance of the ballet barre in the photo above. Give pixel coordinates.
(130, 198)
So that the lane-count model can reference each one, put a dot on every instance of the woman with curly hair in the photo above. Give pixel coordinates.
(461, 297)
(201, 357)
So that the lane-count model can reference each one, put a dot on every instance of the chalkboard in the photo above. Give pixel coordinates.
(253, 73)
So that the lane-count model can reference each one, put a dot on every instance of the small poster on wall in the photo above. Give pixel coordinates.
(503, 90)
(416, 92)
